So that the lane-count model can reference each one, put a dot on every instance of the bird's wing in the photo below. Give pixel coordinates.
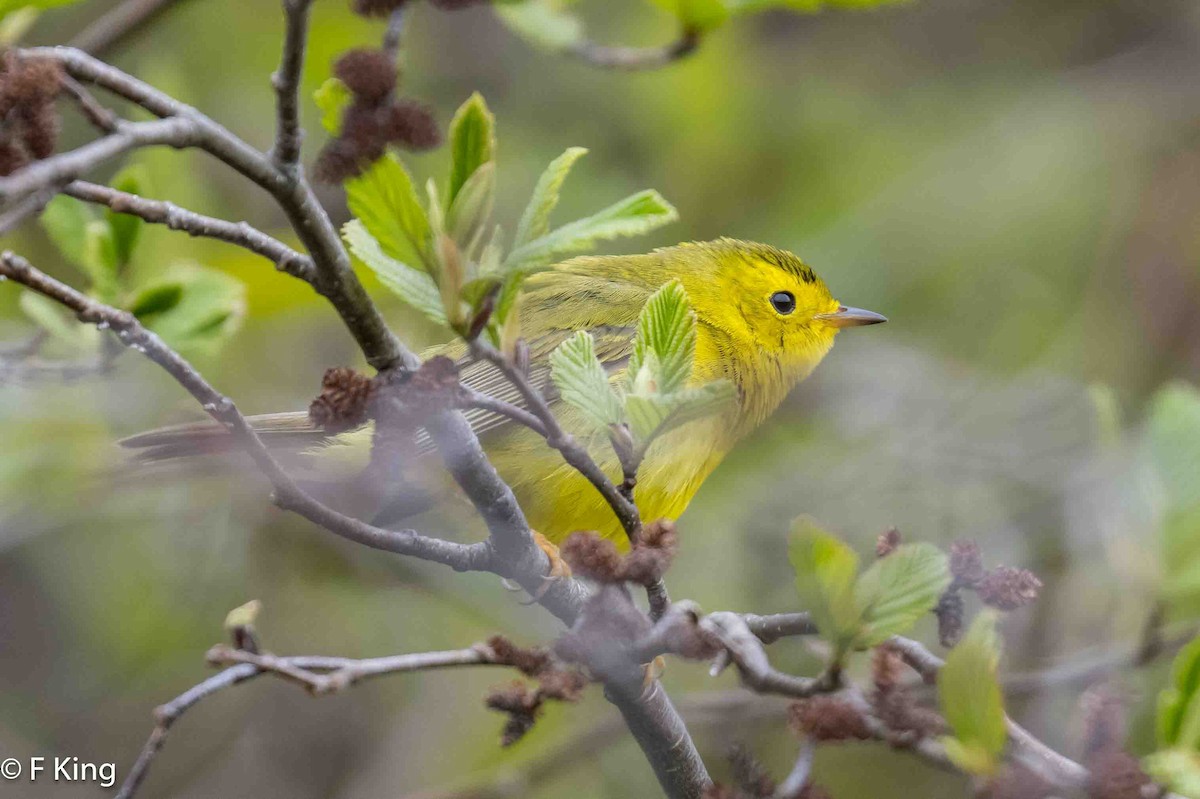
(293, 430)
(613, 346)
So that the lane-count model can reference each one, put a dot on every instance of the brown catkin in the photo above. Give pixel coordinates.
(369, 74)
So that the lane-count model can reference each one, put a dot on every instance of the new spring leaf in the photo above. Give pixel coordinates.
(637, 214)
(969, 697)
(581, 380)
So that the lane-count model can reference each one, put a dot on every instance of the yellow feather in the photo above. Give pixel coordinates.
(740, 336)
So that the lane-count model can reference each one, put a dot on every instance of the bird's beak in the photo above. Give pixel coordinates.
(850, 317)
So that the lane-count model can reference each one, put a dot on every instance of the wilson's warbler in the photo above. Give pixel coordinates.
(764, 321)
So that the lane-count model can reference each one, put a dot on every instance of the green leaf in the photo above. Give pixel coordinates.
(332, 98)
(1177, 769)
(126, 228)
(472, 143)
(157, 298)
(210, 308)
(696, 15)
(581, 380)
(825, 571)
(65, 220)
(639, 213)
(413, 286)
(667, 328)
(470, 215)
(970, 699)
(1177, 722)
(653, 415)
(100, 259)
(385, 201)
(897, 590)
(1173, 444)
(542, 22)
(51, 317)
(535, 222)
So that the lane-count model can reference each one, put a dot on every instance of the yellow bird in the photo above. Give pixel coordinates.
(764, 320)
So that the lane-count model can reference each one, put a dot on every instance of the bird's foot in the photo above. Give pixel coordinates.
(558, 567)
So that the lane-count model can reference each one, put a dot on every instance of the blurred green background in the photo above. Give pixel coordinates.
(1015, 183)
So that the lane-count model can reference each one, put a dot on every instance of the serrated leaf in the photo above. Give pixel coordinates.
(896, 591)
(653, 415)
(385, 202)
(535, 221)
(413, 286)
(127, 228)
(157, 298)
(582, 382)
(825, 572)
(65, 221)
(332, 98)
(637, 214)
(970, 699)
(1177, 722)
(470, 215)
(542, 22)
(472, 143)
(50, 316)
(667, 328)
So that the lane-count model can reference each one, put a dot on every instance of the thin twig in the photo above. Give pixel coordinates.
(470, 398)
(796, 781)
(755, 669)
(342, 673)
(119, 23)
(165, 213)
(323, 675)
(635, 58)
(1059, 770)
(559, 439)
(334, 277)
(770, 629)
(394, 33)
(288, 495)
(102, 118)
(286, 82)
(28, 207)
(65, 167)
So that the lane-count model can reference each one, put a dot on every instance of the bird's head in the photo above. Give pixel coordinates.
(768, 300)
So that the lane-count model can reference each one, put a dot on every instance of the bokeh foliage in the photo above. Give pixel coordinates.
(1014, 184)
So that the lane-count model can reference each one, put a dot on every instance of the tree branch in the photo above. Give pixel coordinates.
(288, 495)
(635, 58)
(118, 24)
(286, 82)
(165, 213)
(65, 167)
(341, 672)
(334, 278)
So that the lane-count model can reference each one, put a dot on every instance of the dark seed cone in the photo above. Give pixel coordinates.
(369, 74)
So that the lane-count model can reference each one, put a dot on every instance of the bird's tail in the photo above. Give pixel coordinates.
(288, 431)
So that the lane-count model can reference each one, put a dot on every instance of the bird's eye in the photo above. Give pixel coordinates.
(783, 302)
